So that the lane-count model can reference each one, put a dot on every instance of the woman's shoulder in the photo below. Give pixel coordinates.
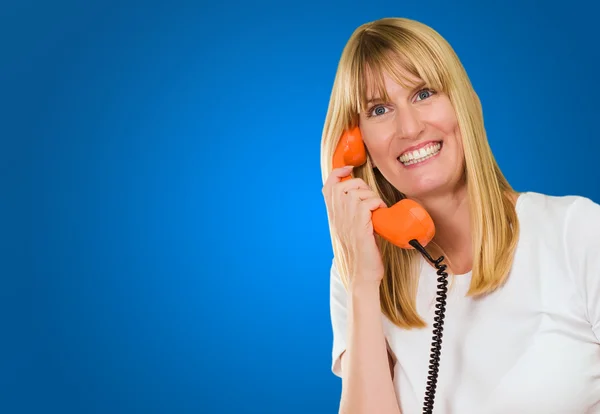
(557, 208)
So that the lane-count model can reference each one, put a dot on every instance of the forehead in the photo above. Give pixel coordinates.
(391, 78)
(398, 82)
(378, 68)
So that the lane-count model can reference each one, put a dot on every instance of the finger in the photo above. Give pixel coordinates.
(361, 206)
(371, 204)
(342, 190)
(360, 194)
(352, 184)
(336, 176)
(354, 197)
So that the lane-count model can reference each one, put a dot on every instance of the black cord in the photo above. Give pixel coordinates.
(436, 345)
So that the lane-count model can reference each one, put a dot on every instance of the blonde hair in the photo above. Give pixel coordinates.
(387, 45)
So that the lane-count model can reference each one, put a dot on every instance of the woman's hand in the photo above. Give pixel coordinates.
(350, 204)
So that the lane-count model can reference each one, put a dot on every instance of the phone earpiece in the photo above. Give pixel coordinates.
(350, 150)
(399, 224)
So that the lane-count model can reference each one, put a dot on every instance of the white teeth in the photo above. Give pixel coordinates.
(421, 154)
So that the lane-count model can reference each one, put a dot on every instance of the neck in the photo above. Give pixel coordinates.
(451, 214)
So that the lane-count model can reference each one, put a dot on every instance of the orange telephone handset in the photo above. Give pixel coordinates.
(399, 224)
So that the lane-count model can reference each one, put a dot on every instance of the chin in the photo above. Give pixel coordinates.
(425, 186)
(429, 171)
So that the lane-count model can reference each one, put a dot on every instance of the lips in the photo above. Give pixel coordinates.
(420, 153)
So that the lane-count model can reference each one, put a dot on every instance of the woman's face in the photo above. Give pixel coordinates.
(414, 139)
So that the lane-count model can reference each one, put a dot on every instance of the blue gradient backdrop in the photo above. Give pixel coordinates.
(166, 247)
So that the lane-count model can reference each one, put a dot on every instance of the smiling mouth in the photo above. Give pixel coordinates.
(422, 154)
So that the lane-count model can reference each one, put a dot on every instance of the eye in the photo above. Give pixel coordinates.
(377, 110)
(424, 94)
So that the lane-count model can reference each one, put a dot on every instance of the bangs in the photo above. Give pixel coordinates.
(403, 56)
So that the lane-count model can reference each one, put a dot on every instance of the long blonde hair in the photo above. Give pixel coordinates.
(384, 46)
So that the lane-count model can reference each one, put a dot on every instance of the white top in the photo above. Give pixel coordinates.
(531, 347)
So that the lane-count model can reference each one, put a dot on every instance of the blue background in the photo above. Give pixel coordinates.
(166, 247)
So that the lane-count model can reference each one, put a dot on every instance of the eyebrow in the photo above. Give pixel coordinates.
(416, 87)
(374, 100)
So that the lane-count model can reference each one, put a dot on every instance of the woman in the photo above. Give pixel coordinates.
(522, 323)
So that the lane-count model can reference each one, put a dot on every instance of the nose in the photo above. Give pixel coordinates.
(409, 123)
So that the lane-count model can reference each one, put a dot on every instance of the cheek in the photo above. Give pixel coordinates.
(378, 144)
(444, 118)
(459, 149)
(449, 128)
(450, 124)
(378, 157)
(452, 137)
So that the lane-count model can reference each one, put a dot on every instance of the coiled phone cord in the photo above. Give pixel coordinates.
(436, 345)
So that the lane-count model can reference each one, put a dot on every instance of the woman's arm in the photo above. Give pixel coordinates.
(367, 380)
